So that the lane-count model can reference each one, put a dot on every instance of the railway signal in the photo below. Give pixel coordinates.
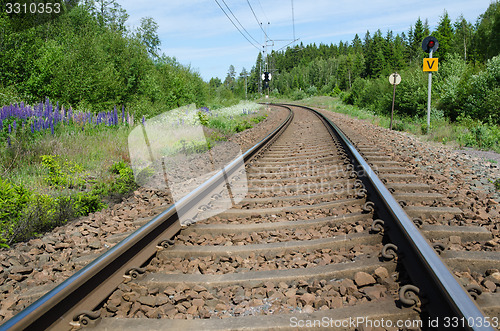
(430, 44)
(266, 77)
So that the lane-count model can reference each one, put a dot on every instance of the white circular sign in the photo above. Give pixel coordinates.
(395, 78)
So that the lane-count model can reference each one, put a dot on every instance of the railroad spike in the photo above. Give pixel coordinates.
(418, 222)
(474, 290)
(368, 207)
(134, 273)
(408, 295)
(362, 193)
(439, 247)
(389, 252)
(377, 226)
(86, 318)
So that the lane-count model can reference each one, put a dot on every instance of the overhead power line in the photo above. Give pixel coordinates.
(263, 12)
(259, 23)
(238, 23)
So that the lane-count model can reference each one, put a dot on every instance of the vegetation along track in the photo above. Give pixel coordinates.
(317, 239)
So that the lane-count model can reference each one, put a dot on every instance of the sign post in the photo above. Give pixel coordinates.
(394, 79)
(430, 45)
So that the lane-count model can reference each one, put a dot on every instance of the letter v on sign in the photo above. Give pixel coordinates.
(431, 64)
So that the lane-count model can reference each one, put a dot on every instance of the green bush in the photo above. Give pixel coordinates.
(13, 198)
(64, 174)
(242, 126)
(484, 99)
(298, 95)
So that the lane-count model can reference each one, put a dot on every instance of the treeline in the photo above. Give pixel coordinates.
(467, 84)
(88, 59)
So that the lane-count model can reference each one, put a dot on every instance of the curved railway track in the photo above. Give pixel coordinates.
(318, 240)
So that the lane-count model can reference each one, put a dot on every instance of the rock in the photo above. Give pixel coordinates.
(494, 277)
(221, 307)
(199, 288)
(381, 272)
(308, 309)
(491, 286)
(347, 286)
(307, 298)
(147, 300)
(21, 270)
(374, 292)
(94, 244)
(362, 279)
(198, 302)
(336, 302)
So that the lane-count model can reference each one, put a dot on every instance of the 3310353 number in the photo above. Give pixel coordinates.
(32, 8)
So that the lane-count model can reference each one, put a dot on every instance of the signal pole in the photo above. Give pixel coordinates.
(430, 45)
(429, 90)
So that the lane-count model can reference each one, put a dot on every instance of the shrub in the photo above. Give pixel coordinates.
(483, 102)
(298, 95)
(13, 198)
(62, 174)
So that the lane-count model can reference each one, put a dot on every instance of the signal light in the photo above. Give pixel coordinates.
(430, 44)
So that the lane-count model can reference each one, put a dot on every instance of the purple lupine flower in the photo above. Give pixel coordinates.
(123, 113)
(115, 116)
(52, 127)
(8, 140)
(14, 124)
(10, 129)
(143, 120)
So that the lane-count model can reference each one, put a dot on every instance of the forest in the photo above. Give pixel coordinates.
(90, 60)
(467, 84)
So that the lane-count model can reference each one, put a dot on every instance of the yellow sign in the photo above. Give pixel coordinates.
(431, 64)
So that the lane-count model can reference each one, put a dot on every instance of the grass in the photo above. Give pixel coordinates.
(464, 132)
(95, 150)
(47, 179)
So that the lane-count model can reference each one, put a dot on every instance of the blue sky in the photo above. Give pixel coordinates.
(199, 34)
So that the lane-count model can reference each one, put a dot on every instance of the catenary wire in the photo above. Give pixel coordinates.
(237, 20)
(259, 23)
(237, 26)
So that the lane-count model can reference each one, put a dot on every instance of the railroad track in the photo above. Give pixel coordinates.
(318, 240)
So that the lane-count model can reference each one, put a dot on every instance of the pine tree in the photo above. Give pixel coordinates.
(444, 33)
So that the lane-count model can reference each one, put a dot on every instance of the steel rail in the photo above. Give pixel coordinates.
(73, 301)
(446, 299)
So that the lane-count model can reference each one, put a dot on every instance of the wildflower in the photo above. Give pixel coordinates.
(143, 120)
(32, 127)
(115, 116)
